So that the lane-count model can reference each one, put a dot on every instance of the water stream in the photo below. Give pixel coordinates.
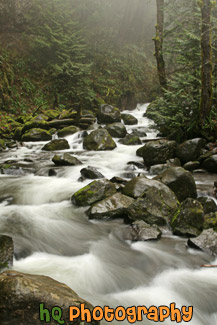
(54, 238)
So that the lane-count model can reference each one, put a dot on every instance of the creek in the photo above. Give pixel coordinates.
(54, 238)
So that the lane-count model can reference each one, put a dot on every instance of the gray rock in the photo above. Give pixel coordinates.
(192, 165)
(129, 119)
(6, 252)
(140, 132)
(93, 192)
(66, 160)
(114, 206)
(22, 294)
(210, 164)
(108, 114)
(117, 130)
(99, 140)
(55, 145)
(130, 140)
(180, 181)
(142, 231)
(91, 173)
(208, 204)
(189, 220)
(190, 150)
(207, 242)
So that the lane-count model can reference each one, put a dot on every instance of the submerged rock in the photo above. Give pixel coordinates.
(93, 192)
(189, 220)
(6, 252)
(180, 181)
(114, 206)
(157, 152)
(99, 140)
(68, 130)
(22, 294)
(142, 231)
(66, 160)
(190, 150)
(36, 135)
(55, 145)
(129, 119)
(207, 242)
(108, 114)
(91, 173)
(117, 130)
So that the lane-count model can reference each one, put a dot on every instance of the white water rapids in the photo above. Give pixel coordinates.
(56, 239)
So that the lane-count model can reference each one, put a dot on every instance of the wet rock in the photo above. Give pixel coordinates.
(108, 114)
(66, 160)
(210, 221)
(138, 164)
(174, 162)
(129, 119)
(22, 294)
(189, 220)
(93, 192)
(99, 140)
(17, 133)
(52, 173)
(35, 124)
(158, 169)
(114, 206)
(60, 124)
(190, 150)
(130, 140)
(6, 252)
(192, 165)
(207, 242)
(139, 132)
(68, 130)
(55, 145)
(36, 135)
(210, 164)
(91, 173)
(157, 152)
(180, 181)
(208, 204)
(117, 130)
(142, 231)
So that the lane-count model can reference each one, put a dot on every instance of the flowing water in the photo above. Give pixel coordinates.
(56, 239)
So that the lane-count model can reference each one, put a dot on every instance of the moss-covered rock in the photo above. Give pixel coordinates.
(116, 130)
(93, 192)
(6, 252)
(2, 145)
(208, 204)
(210, 221)
(68, 114)
(52, 114)
(190, 150)
(22, 294)
(157, 152)
(108, 114)
(35, 124)
(189, 221)
(36, 135)
(17, 133)
(114, 206)
(180, 181)
(99, 140)
(66, 160)
(207, 242)
(57, 144)
(130, 140)
(68, 130)
(129, 119)
(60, 124)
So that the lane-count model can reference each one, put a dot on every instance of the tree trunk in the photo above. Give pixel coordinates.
(158, 40)
(206, 52)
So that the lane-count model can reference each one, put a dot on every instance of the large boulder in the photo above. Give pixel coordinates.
(210, 164)
(6, 252)
(190, 150)
(114, 206)
(91, 173)
(129, 119)
(57, 144)
(23, 296)
(117, 130)
(99, 140)
(108, 114)
(142, 231)
(36, 135)
(66, 160)
(189, 220)
(130, 140)
(35, 124)
(93, 192)
(155, 203)
(68, 130)
(180, 181)
(207, 242)
(157, 152)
